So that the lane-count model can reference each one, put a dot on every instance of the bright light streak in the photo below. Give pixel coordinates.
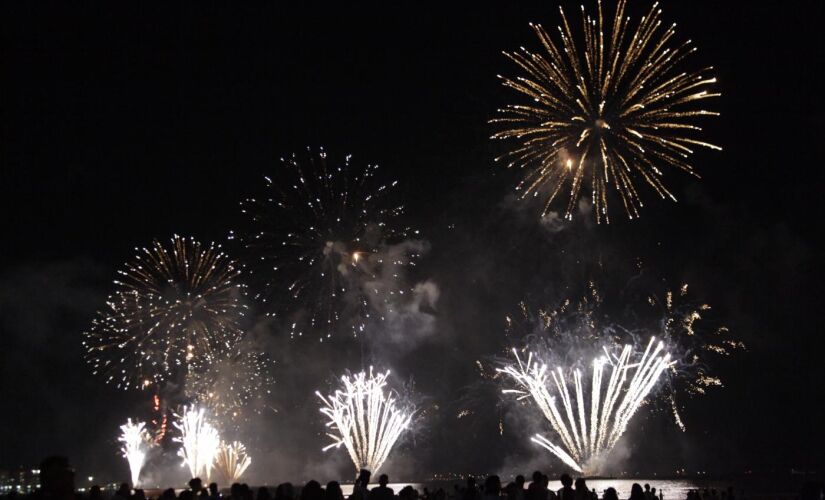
(363, 417)
(136, 442)
(199, 441)
(232, 461)
(585, 440)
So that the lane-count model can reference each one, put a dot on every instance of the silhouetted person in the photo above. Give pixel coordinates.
(214, 492)
(123, 493)
(408, 493)
(186, 495)
(196, 485)
(263, 493)
(511, 491)
(312, 491)
(518, 491)
(139, 494)
(56, 479)
(582, 491)
(492, 488)
(471, 491)
(284, 491)
(636, 492)
(382, 491)
(235, 491)
(359, 489)
(566, 492)
(610, 494)
(95, 493)
(168, 494)
(333, 491)
(538, 487)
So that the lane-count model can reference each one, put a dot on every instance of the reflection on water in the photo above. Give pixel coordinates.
(347, 488)
(672, 489)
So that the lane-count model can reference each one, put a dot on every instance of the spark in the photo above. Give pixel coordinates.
(199, 442)
(607, 106)
(586, 439)
(232, 461)
(173, 312)
(365, 418)
(689, 325)
(136, 441)
(319, 237)
(159, 419)
(232, 385)
(677, 417)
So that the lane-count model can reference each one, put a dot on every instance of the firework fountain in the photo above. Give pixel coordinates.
(365, 419)
(136, 441)
(199, 440)
(586, 440)
(232, 461)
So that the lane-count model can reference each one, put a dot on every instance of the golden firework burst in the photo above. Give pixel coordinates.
(609, 107)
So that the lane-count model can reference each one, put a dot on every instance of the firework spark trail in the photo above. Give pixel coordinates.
(366, 419)
(232, 461)
(136, 441)
(318, 236)
(199, 442)
(695, 337)
(174, 310)
(159, 419)
(232, 385)
(582, 448)
(608, 110)
(689, 324)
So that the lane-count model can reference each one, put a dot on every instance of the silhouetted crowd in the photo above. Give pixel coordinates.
(57, 483)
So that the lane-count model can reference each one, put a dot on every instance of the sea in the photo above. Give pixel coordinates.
(672, 489)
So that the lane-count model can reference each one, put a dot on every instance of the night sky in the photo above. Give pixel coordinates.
(120, 126)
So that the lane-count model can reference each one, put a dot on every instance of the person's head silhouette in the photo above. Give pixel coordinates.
(195, 484)
(383, 479)
(363, 477)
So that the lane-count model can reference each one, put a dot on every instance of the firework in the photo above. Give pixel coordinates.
(232, 461)
(159, 420)
(695, 337)
(587, 439)
(232, 385)
(174, 310)
(688, 326)
(199, 442)
(365, 418)
(136, 441)
(319, 237)
(610, 106)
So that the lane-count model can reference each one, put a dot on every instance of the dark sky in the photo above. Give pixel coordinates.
(120, 126)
